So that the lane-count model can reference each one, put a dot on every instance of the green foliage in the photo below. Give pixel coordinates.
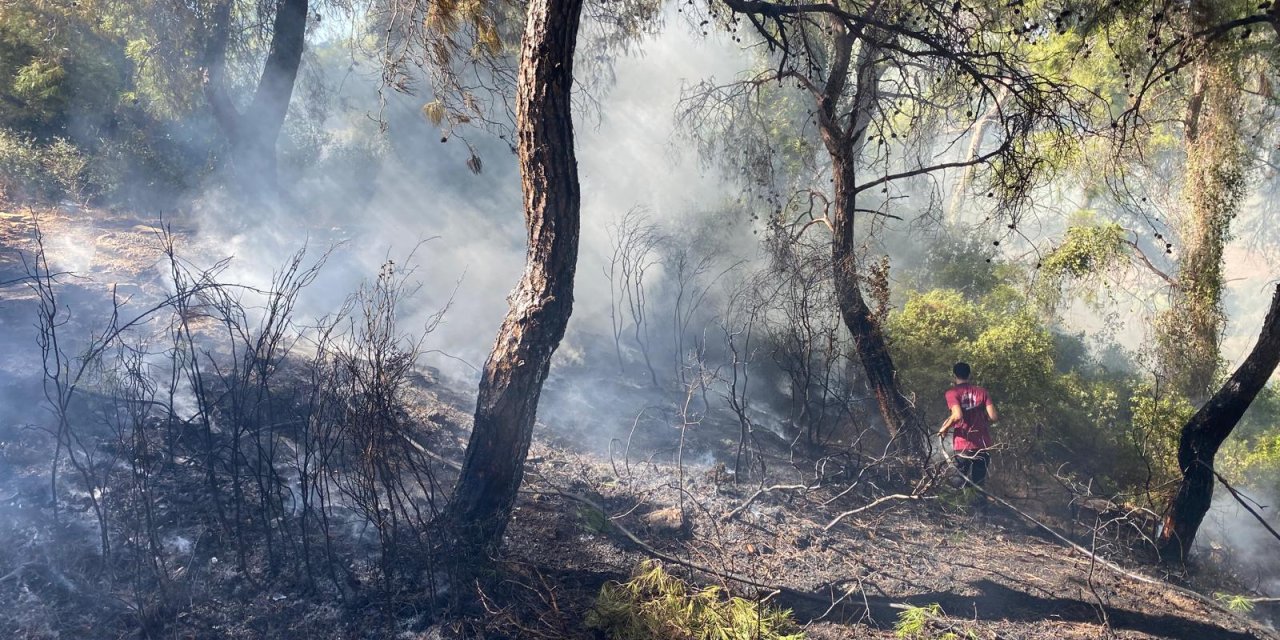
(1089, 251)
(913, 622)
(1011, 349)
(29, 169)
(593, 520)
(1158, 417)
(79, 89)
(1020, 348)
(20, 166)
(1255, 466)
(1251, 456)
(1237, 603)
(961, 261)
(1056, 400)
(655, 605)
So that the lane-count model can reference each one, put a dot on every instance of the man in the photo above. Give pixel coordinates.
(972, 414)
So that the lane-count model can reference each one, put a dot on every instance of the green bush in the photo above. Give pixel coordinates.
(655, 604)
(1254, 466)
(20, 167)
(1158, 418)
(1056, 402)
(49, 171)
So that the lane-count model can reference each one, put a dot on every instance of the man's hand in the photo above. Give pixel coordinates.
(943, 430)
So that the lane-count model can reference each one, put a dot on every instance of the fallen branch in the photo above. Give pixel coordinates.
(777, 487)
(430, 454)
(1198, 597)
(666, 557)
(1236, 494)
(873, 503)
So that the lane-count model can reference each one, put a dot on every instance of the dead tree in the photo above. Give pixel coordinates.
(635, 241)
(543, 300)
(1206, 431)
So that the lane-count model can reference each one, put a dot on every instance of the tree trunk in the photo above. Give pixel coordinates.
(961, 189)
(899, 416)
(541, 303)
(844, 145)
(253, 134)
(1213, 187)
(1206, 431)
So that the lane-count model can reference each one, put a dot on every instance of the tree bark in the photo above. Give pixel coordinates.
(253, 134)
(542, 302)
(844, 145)
(900, 417)
(1205, 433)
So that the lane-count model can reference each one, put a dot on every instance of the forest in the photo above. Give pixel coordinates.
(629, 319)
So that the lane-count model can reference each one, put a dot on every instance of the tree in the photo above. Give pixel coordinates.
(1213, 40)
(1213, 187)
(253, 132)
(511, 381)
(1205, 433)
(894, 74)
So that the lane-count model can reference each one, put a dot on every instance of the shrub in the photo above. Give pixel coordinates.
(32, 170)
(655, 604)
(20, 166)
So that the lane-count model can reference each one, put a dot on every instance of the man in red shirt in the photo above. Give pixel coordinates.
(972, 414)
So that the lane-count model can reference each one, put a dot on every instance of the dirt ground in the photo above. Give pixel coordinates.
(575, 527)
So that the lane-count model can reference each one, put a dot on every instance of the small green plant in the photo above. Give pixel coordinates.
(655, 604)
(593, 520)
(959, 498)
(1237, 603)
(913, 622)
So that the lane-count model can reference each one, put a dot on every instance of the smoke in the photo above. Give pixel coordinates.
(416, 195)
(374, 176)
(1233, 536)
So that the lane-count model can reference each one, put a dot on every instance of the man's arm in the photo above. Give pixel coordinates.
(991, 412)
(956, 416)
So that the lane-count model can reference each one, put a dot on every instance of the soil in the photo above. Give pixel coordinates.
(992, 573)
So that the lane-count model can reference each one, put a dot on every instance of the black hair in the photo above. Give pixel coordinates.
(962, 370)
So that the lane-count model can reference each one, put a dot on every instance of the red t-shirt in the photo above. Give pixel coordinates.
(973, 431)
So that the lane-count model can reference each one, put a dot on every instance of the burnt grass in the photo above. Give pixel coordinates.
(994, 574)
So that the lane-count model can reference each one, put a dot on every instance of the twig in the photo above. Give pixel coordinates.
(430, 454)
(1093, 587)
(1236, 494)
(777, 487)
(665, 557)
(873, 503)
(1198, 597)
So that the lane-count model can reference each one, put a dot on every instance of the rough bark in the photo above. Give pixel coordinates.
(869, 342)
(541, 303)
(1205, 433)
(253, 133)
(844, 143)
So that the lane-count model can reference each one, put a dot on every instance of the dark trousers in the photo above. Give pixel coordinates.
(973, 465)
